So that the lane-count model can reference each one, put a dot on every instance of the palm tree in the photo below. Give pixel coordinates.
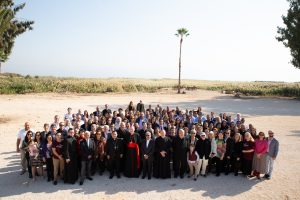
(181, 33)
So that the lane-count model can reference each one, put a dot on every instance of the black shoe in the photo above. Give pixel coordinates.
(89, 178)
(81, 183)
(111, 176)
(195, 179)
(49, 179)
(266, 176)
(149, 177)
(100, 173)
(236, 174)
(143, 177)
(218, 174)
(204, 175)
(181, 176)
(175, 176)
(54, 182)
(22, 172)
(226, 173)
(118, 176)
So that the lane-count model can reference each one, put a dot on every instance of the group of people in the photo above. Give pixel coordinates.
(143, 141)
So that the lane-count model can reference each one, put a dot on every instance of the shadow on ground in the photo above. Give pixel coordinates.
(11, 183)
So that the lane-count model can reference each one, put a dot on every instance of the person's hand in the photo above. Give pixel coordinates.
(89, 157)
(221, 158)
(18, 149)
(228, 157)
(68, 160)
(258, 156)
(121, 155)
(108, 157)
(145, 156)
(44, 159)
(237, 158)
(60, 158)
(162, 153)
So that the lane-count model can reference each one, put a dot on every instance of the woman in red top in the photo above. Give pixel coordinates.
(260, 152)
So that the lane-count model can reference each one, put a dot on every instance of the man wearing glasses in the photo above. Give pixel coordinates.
(147, 150)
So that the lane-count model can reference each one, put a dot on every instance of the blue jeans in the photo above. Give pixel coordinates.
(270, 163)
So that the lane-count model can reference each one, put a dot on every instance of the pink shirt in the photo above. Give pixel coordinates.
(261, 146)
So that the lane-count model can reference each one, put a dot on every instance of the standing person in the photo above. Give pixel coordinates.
(38, 160)
(114, 152)
(203, 148)
(147, 150)
(44, 133)
(25, 147)
(260, 153)
(140, 107)
(237, 153)
(228, 158)
(47, 156)
(163, 146)
(70, 156)
(180, 149)
(58, 160)
(248, 151)
(34, 155)
(87, 150)
(272, 153)
(221, 150)
(20, 138)
(100, 153)
(132, 159)
(193, 162)
(213, 153)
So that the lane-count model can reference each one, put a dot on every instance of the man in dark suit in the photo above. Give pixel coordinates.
(114, 151)
(272, 154)
(147, 150)
(203, 148)
(140, 107)
(87, 150)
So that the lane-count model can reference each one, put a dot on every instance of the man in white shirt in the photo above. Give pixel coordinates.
(20, 137)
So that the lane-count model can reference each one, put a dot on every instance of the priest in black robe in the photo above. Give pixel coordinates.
(163, 146)
(180, 149)
(114, 151)
(132, 159)
(70, 156)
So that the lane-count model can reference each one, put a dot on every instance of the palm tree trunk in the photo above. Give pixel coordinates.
(179, 78)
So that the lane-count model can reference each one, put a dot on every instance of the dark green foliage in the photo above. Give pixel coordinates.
(12, 29)
(290, 35)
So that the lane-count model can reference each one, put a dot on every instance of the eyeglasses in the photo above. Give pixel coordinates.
(202, 135)
(37, 135)
(147, 135)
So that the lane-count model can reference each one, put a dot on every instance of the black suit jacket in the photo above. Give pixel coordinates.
(148, 151)
(85, 150)
(114, 147)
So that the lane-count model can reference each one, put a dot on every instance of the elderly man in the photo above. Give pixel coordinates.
(147, 151)
(180, 149)
(114, 151)
(87, 150)
(20, 138)
(272, 154)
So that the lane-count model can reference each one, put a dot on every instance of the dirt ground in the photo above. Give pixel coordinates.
(280, 115)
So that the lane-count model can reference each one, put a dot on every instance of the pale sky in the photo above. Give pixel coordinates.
(229, 40)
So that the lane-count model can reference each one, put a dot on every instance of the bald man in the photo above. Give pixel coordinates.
(20, 137)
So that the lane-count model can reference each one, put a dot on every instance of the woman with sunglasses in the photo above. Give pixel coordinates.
(25, 147)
